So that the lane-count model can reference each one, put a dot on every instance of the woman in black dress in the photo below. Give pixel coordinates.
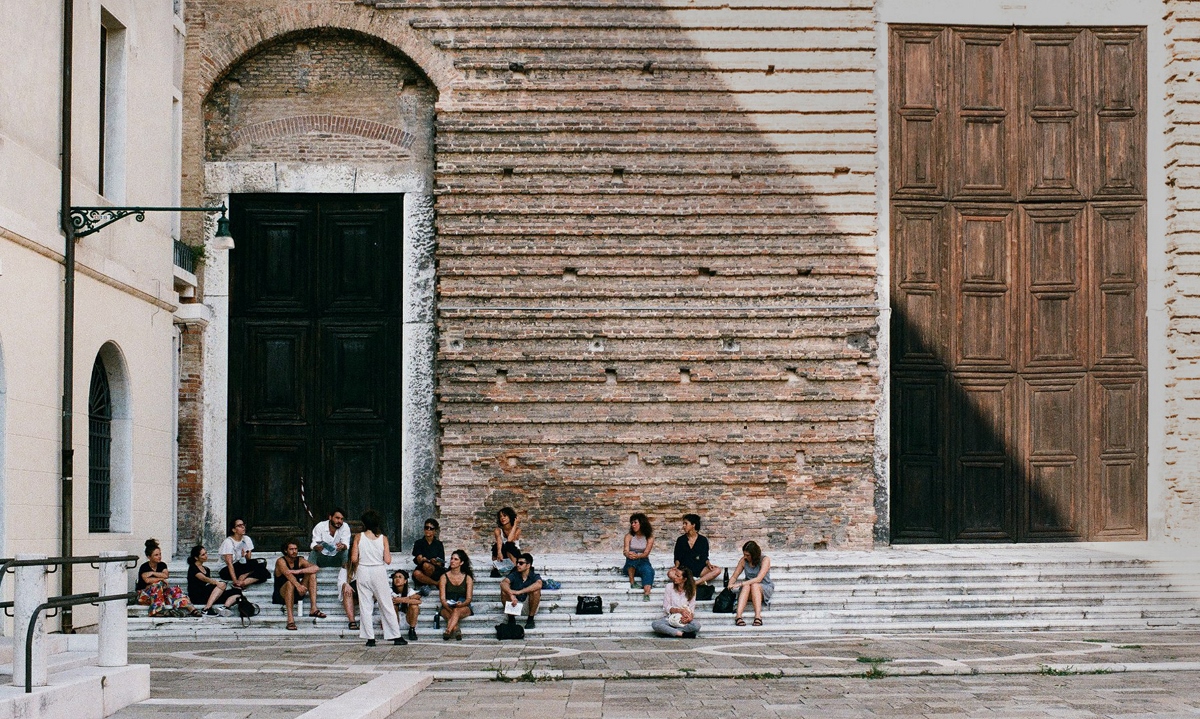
(203, 589)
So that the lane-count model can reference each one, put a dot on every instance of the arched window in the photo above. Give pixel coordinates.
(100, 419)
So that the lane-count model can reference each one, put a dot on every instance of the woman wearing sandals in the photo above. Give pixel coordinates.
(156, 592)
(369, 551)
(456, 588)
(639, 542)
(756, 586)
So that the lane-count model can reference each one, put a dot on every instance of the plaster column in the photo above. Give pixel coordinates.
(113, 629)
(29, 592)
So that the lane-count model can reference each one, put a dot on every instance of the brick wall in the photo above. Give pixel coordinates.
(1182, 446)
(656, 249)
(191, 510)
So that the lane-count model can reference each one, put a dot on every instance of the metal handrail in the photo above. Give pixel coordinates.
(70, 600)
(9, 563)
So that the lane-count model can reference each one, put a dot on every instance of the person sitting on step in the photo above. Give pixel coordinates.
(348, 591)
(691, 551)
(429, 557)
(295, 579)
(756, 587)
(639, 542)
(407, 602)
(237, 552)
(679, 606)
(456, 589)
(522, 584)
(330, 543)
(507, 545)
(203, 589)
(155, 591)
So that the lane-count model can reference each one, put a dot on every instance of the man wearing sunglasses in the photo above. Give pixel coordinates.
(522, 584)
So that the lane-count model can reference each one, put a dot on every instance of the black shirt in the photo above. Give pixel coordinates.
(141, 583)
(429, 550)
(695, 557)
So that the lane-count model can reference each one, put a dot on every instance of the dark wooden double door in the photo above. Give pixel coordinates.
(314, 360)
(1018, 283)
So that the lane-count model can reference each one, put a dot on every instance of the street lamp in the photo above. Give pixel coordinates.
(86, 220)
(81, 222)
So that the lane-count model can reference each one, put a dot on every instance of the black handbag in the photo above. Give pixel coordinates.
(246, 609)
(724, 602)
(704, 592)
(510, 630)
(591, 604)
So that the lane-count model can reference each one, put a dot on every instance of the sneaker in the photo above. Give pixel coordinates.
(530, 623)
(689, 635)
(645, 597)
(412, 634)
(399, 641)
(424, 590)
(210, 612)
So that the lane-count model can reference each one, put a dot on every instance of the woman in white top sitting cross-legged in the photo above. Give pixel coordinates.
(679, 606)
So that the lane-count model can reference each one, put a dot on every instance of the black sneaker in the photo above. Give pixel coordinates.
(212, 612)
(370, 642)
(495, 573)
(412, 634)
(689, 635)
(529, 623)
(399, 641)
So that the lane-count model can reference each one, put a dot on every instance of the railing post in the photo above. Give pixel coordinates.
(29, 591)
(114, 622)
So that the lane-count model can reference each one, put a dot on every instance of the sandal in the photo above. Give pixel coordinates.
(291, 626)
(757, 621)
(318, 614)
(353, 625)
(740, 622)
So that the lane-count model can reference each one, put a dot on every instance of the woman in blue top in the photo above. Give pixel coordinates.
(756, 586)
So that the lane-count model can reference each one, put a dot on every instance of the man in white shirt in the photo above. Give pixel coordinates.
(330, 541)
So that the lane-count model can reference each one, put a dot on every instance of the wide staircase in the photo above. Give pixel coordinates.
(917, 589)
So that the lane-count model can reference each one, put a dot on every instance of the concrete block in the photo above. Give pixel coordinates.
(377, 699)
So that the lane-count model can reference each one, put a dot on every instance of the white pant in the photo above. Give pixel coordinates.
(374, 585)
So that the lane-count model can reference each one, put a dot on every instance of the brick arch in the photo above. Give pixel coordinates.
(228, 49)
(335, 124)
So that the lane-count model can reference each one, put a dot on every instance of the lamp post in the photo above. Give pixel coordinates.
(81, 222)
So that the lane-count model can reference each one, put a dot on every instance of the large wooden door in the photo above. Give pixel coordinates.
(314, 360)
(1018, 283)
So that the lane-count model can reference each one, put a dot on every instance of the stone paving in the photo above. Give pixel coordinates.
(1113, 674)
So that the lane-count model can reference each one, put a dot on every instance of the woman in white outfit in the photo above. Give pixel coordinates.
(371, 554)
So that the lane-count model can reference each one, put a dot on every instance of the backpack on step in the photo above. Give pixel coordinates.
(510, 630)
(246, 609)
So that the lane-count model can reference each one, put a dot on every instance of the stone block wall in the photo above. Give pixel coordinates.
(656, 245)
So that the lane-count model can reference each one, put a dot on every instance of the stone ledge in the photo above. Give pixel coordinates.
(82, 693)
(377, 699)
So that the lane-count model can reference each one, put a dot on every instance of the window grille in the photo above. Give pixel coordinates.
(99, 450)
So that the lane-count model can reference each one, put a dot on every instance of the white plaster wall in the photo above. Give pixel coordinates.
(123, 287)
(419, 437)
(1144, 13)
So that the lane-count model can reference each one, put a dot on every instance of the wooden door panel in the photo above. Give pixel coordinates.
(1054, 279)
(345, 465)
(982, 247)
(1120, 115)
(918, 68)
(271, 274)
(1119, 438)
(1054, 78)
(983, 409)
(1055, 457)
(984, 122)
(919, 498)
(357, 245)
(919, 291)
(1118, 236)
(354, 389)
(277, 354)
(270, 503)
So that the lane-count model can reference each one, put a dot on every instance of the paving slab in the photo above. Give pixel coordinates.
(998, 674)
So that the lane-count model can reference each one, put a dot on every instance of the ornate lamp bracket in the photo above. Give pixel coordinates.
(87, 220)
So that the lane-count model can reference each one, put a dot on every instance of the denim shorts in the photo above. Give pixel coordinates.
(642, 568)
